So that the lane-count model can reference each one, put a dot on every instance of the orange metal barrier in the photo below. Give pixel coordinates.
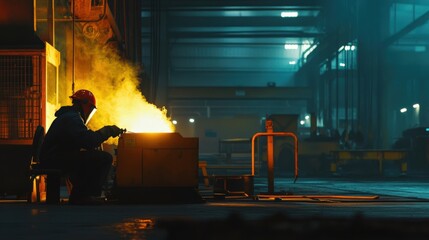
(270, 154)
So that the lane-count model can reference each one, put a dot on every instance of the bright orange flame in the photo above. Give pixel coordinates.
(124, 106)
(127, 108)
(114, 83)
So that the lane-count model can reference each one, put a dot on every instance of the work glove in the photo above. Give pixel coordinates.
(110, 131)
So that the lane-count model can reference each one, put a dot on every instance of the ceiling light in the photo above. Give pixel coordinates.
(420, 48)
(302, 122)
(289, 14)
(174, 122)
(292, 62)
(191, 120)
(403, 110)
(309, 50)
(342, 64)
(289, 46)
(349, 47)
(416, 105)
(305, 46)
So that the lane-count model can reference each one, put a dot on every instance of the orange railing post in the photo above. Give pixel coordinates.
(270, 155)
(270, 158)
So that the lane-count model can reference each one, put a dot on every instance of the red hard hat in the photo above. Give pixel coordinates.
(85, 96)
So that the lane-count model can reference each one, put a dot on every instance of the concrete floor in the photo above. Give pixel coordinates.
(334, 208)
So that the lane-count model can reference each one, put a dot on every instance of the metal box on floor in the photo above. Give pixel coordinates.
(156, 166)
(239, 185)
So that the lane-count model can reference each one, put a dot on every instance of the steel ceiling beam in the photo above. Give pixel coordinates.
(232, 4)
(407, 29)
(239, 93)
(244, 34)
(208, 22)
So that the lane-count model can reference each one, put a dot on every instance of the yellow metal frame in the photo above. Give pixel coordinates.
(379, 155)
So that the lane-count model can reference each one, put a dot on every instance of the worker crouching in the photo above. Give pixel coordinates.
(70, 146)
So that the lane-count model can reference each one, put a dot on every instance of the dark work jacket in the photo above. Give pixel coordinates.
(66, 137)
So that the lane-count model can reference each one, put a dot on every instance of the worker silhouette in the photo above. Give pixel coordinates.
(73, 148)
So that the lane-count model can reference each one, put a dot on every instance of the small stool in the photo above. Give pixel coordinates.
(52, 183)
(203, 166)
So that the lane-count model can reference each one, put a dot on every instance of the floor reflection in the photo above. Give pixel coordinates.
(135, 228)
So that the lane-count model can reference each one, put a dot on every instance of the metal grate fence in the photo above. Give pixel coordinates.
(20, 96)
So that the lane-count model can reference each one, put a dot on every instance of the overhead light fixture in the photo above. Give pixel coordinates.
(403, 110)
(416, 105)
(342, 64)
(309, 50)
(191, 120)
(289, 46)
(174, 122)
(292, 62)
(302, 122)
(289, 14)
(420, 48)
(305, 46)
(307, 117)
(349, 47)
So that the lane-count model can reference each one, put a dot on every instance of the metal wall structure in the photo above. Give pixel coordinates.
(28, 92)
(28, 85)
(21, 108)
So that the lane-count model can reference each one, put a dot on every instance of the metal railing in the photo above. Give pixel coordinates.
(270, 155)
